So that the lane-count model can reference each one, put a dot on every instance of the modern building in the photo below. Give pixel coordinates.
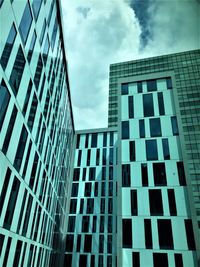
(36, 134)
(126, 195)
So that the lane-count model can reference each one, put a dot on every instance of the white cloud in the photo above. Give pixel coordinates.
(99, 33)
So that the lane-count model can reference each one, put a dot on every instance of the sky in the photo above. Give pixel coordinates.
(101, 32)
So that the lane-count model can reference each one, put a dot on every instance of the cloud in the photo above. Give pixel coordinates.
(99, 33)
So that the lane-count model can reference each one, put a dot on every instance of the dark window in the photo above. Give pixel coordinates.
(135, 259)
(78, 141)
(4, 189)
(148, 233)
(132, 150)
(73, 204)
(34, 170)
(126, 175)
(148, 105)
(159, 174)
(134, 205)
(102, 207)
(94, 224)
(2, 237)
(155, 127)
(142, 128)
(92, 173)
(78, 244)
(155, 202)
(32, 113)
(81, 206)
(76, 174)
(53, 37)
(104, 139)
(111, 156)
(83, 261)
(45, 50)
(110, 173)
(174, 125)
(165, 146)
(178, 260)
(38, 72)
(20, 148)
(71, 223)
(172, 202)
(110, 191)
(36, 7)
(17, 253)
(90, 206)
(88, 157)
(84, 174)
(22, 211)
(85, 224)
(96, 189)
(103, 177)
(104, 156)
(25, 23)
(27, 215)
(125, 129)
(102, 222)
(27, 97)
(9, 130)
(103, 189)
(69, 242)
(50, 12)
(161, 104)
(151, 150)
(92, 261)
(42, 32)
(144, 172)
(86, 140)
(8, 47)
(124, 88)
(4, 102)
(127, 233)
(11, 204)
(101, 244)
(88, 243)
(130, 107)
(109, 258)
(109, 244)
(68, 260)
(87, 189)
(139, 87)
(151, 85)
(7, 252)
(79, 157)
(31, 48)
(74, 192)
(181, 173)
(94, 140)
(169, 83)
(160, 259)
(111, 138)
(17, 71)
(97, 156)
(110, 224)
(190, 234)
(165, 234)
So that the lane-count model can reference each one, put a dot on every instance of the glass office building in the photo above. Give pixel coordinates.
(36, 134)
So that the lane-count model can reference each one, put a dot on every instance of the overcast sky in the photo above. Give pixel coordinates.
(101, 32)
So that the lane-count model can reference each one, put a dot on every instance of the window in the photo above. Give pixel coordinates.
(139, 87)
(160, 259)
(94, 140)
(53, 37)
(174, 125)
(71, 223)
(169, 83)
(104, 156)
(9, 130)
(27, 215)
(102, 207)
(79, 157)
(172, 202)
(155, 127)
(88, 243)
(32, 113)
(110, 173)
(151, 85)
(68, 260)
(102, 222)
(127, 233)
(161, 104)
(110, 190)
(83, 261)
(103, 189)
(111, 156)
(126, 175)
(4, 102)
(101, 244)
(78, 244)
(181, 173)
(151, 150)
(96, 189)
(17, 71)
(92, 173)
(178, 260)
(132, 150)
(88, 157)
(27, 97)
(45, 50)
(148, 105)
(135, 259)
(111, 138)
(87, 189)
(85, 224)
(130, 107)
(34, 170)
(31, 48)
(4, 189)
(142, 128)
(73, 204)
(94, 224)
(84, 174)
(124, 88)
(74, 192)
(148, 233)
(125, 129)
(69, 242)
(104, 139)
(134, 205)
(7, 252)
(103, 177)
(165, 146)
(42, 32)
(110, 205)
(90, 206)
(25, 23)
(165, 234)
(20, 148)
(36, 7)
(110, 228)
(38, 72)
(17, 253)
(97, 156)
(159, 174)
(2, 237)
(8, 47)
(81, 206)
(155, 201)
(11, 204)
(189, 234)
(76, 174)
(144, 172)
